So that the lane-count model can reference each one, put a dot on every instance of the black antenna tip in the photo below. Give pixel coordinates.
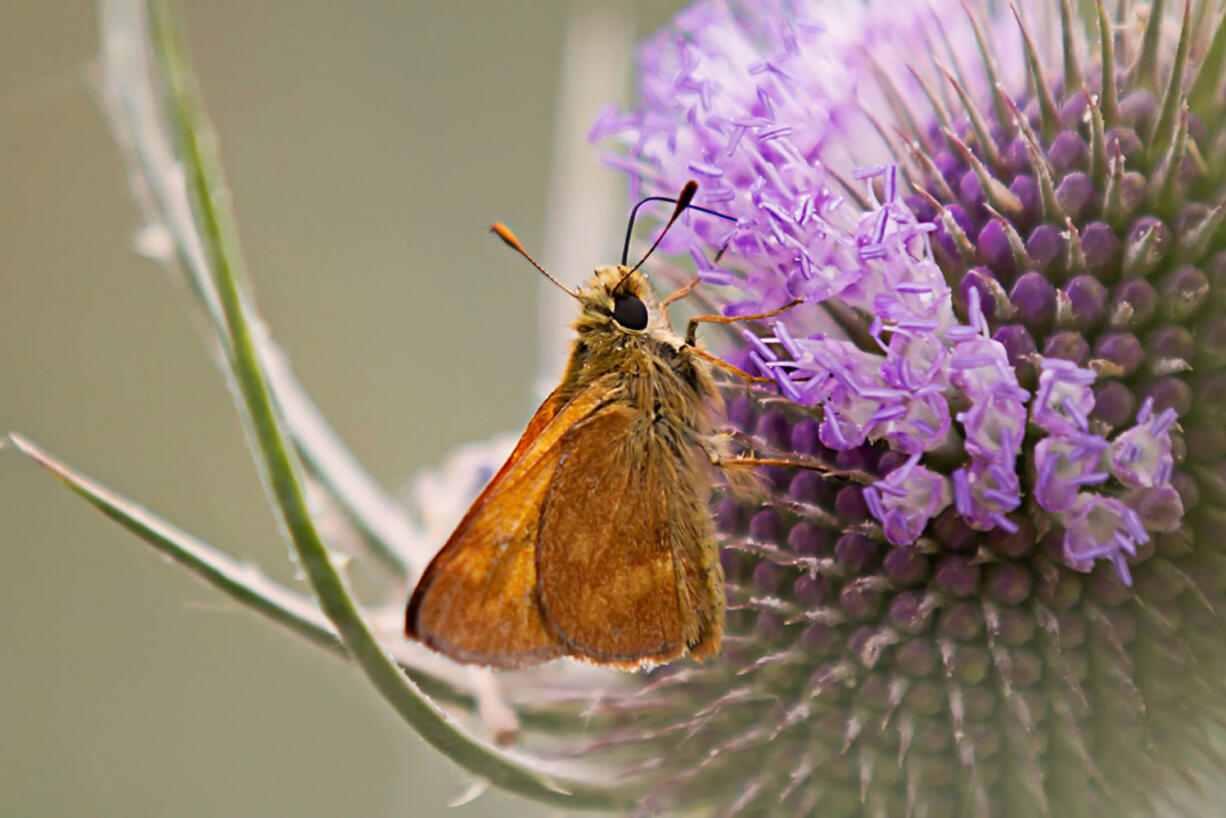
(686, 195)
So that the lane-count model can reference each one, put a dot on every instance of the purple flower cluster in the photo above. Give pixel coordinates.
(920, 377)
(999, 591)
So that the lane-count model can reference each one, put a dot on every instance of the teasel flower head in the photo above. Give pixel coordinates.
(995, 590)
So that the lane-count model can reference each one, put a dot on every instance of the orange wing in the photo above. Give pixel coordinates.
(627, 564)
(476, 601)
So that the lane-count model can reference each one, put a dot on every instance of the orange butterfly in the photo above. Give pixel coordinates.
(594, 539)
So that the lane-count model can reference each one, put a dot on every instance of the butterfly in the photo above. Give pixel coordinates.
(594, 540)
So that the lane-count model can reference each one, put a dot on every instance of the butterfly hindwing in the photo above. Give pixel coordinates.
(628, 575)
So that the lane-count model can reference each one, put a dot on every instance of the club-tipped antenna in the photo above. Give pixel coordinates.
(503, 232)
(682, 202)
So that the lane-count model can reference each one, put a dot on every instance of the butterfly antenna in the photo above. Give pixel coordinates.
(682, 202)
(501, 231)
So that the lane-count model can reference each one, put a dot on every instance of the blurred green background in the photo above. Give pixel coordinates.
(368, 147)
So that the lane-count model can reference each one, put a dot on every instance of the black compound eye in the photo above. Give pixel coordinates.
(630, 312)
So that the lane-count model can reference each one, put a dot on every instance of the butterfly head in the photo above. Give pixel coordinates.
(619, 300)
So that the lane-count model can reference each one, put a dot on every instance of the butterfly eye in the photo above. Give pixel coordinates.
(630, 312)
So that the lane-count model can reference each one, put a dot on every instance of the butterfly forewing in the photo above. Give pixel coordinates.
(476, 601)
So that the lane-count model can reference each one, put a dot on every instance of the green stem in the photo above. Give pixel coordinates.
(243, 583)
(130, 94)
(338, 605)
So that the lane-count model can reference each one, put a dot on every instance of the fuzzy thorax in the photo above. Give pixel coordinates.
(663, 375)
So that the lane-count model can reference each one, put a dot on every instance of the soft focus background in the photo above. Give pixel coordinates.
(368, 147)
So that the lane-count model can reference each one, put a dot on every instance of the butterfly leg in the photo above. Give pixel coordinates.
(825, 469)
(721, 364)
(685, 290)
(691, 332)
(679, 294)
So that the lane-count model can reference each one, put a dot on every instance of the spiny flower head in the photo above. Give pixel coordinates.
(995, 591)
